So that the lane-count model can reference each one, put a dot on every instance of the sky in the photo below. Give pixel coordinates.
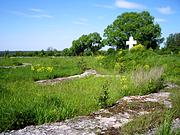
(27, 25)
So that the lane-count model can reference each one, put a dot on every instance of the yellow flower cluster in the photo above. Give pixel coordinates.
(123, 82)
(137, 48)
(146, 67)
(39, 68)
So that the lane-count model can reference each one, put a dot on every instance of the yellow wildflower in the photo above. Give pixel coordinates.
(146, 67)
(49, 69)
(32, 68)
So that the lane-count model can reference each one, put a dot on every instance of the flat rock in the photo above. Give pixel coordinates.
(98, 122)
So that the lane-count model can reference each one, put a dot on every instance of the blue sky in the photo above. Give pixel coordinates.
(39, 24)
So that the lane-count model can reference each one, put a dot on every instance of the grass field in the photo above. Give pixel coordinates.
(24, 102)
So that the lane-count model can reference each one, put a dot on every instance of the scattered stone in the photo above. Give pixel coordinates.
(83, 75)
(171, 85)
(176, 124)
(60, 79)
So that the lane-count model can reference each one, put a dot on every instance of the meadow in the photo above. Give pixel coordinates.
(24, 102)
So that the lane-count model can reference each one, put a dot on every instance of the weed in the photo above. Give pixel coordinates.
(104, 97)
(82, 64)
(142, 124)
(142, 76)
(175, 98)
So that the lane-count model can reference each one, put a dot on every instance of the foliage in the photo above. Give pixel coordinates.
(86, 43)
(137, 48)
(48, 103)
(143, 123)
(104, 97)
(39, 68)
(165, 127)
(120, 65)
(66, 52)
(6, 54)
(172, 43)
(161, 118)
(10, 62)
(82, 64)
(175, 98)
(141, 76)
(140, 25)
(23, 118)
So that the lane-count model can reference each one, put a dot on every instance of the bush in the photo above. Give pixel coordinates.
(138, 48)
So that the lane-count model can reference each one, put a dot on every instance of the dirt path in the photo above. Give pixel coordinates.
(99, 122)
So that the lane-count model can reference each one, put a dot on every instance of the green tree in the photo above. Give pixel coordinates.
(173, 43)
(94, 42)
(66, 52)
(86, 44)
(140, 25)
(41, 53)
(50, 51)
(79, 45)
(6, 53)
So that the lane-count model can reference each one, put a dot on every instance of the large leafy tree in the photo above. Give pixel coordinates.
(90, 43)
(94, 42)
(140, 25)
(173, 42)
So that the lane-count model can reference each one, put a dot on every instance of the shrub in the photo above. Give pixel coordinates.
(39, 68)
(138, 48)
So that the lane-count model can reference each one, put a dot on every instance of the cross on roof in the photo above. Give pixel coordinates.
(131, 42)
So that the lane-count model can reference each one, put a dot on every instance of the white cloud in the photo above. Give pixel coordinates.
(81, 21)
(104, 6)
(160, 20)
(41, 16)
(165, 10)
(32, 13)
(38, 10)
(128, 5)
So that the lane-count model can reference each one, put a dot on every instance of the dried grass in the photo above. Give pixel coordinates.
(142, 76)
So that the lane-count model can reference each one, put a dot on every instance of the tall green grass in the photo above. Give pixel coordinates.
(24, 102)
